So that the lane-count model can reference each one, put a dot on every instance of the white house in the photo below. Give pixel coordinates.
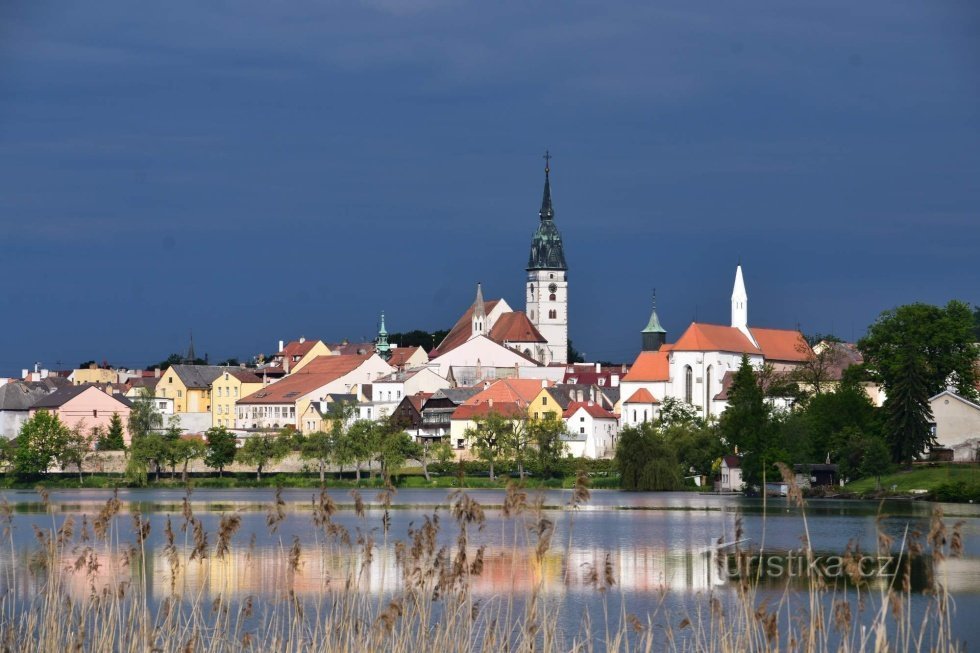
(592, 430)
(731, 475)
(640, 407)
(956, 425)
(388, 391)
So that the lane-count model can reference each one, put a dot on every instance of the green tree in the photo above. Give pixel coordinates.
(976, 324)
(940, 341)
(74, 450)
(696, 446)
(220, 448)
(319, 447)
(748, 424)
(263, 449)
(907, 412)
(41, 440)
(143, 416)
(674, 411)
(112, 438)
(392, 447)
(488, 437)
(518, 442)
(171, 438)
(186, 449)
(861, 454)
(145, 452)
(829, 413)
(645, 460)
(357, 445)
(548, 447)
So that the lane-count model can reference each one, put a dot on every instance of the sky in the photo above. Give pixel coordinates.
(258, 170)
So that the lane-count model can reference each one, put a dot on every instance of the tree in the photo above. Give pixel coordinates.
(318, 446)
(907, 411)
(518, 442)
(358, 444)
(262, 449)
(112, 438)
(392, 447)
(860, 455)
(74, 450)
(829, 413)
(146, 452)
(673, 412)
(696, 446)
(143, 416)
(417, 338)
(429, 450)
(488, 437)
(748, 425)
(186, 449)
(41, 440)
(545, 435)
(940, 341)
(645, 460)
(820, 366)
(220, 448)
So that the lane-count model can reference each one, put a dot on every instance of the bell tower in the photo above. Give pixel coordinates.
(547, 279)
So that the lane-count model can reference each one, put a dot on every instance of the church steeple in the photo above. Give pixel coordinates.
(191, 356)
(654, 335)
(547, 251)
(547, 211)
(381, 346)
(478, 321)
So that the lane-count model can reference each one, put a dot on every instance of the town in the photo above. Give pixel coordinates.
(504, 386)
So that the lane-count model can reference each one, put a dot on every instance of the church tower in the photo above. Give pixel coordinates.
(740, 306)
(654, 335)
(547, 281)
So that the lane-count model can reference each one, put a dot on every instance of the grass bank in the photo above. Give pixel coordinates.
(944, 482)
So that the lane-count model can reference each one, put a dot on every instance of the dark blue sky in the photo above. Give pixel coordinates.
(257, 170)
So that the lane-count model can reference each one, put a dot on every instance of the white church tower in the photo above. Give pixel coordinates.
(740, 306)
(547, 280)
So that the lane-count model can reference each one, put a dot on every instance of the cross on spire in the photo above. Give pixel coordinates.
(547, 161)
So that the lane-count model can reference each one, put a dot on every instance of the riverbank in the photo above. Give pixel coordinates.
(958, 483)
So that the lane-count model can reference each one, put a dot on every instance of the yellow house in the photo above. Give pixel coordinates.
(93, 374)
(230, 386)
(189, 386)
(548, 400)
(294, 356)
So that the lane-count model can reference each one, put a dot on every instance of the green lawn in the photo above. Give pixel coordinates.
(921, 478)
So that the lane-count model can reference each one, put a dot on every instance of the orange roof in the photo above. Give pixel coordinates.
(642, 396)
(515, 327)
(650, 366)
(461, 331)
(591, 407)
(335, 366)
(503, 408)
(400, 355)
(714, 337)
(289, 389)
(782, 344)
(508, 390)
(418, 399)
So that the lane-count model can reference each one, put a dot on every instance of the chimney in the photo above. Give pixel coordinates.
(281, 344)
(490, 402)
(544, 383)
(23, 374)
(614, 380)
(285, 364)
(93, 366)
(156, 373)
(598, 367)
(302, 339)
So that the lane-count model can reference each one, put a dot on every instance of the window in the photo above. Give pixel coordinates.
(581, 429)
(236, 391)
(219, 390)
(581, 419)
(707, 389)
(634, 415)
(688, 384)
(180, 393)
(544, 401)
(95, 413)
(551, 297)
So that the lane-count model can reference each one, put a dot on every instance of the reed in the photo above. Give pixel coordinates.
(433, 606)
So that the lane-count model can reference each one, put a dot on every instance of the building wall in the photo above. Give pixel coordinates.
(543, 405)
(225, 391)
(97, 375)
(600, 435)
(319, 349)
(11, 421)
(539, 308)
(708, 369)
(480, 351)
(956, 420)
(92, 408)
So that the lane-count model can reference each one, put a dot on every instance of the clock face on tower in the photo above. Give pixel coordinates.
(553, 288)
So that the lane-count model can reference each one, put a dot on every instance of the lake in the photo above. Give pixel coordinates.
(660, 548)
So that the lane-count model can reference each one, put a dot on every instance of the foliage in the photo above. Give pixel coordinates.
(673, 412)
(39, 444)
(908, 413)
(489, 438)
(319, 447)
(74, 450)
(748, 424)
(696, 446)
(185, 450)
(356, 444)
(427, 340)
(143, 416)
(261, 449)
(112, 438)
(220, 448)
(645, 460)
(392, 447)
(145, 452)
(939, 341)
(860, 454)
(545, 436)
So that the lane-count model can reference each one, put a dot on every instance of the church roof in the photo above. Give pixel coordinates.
(400, 355)
(715, 337)
(547, 251)
(461, 331)
(782, 344)
(642, 396)
(653, 325)
(515, 327)
(649, 366)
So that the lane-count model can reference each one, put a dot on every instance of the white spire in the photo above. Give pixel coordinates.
(479, 319)
(740, 302)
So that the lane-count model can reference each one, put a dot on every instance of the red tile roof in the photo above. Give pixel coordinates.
(592, 408)
(400, 355)
(715, 337)
(337, 365)
(503, 408)
(297, 348)
(418, 399)
(782, 344)
(515, 327)
(508, 390)
(650, 366)
(318, 373)
(245, 376)
(642, 396)
(461, 331)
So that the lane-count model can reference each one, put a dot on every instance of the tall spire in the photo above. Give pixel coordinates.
(654, 335)
(547, 211)
(478, 322)
(191, 356)
(740, 301)
(381, 346)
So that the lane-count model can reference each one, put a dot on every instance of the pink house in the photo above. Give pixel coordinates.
(85, 406)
